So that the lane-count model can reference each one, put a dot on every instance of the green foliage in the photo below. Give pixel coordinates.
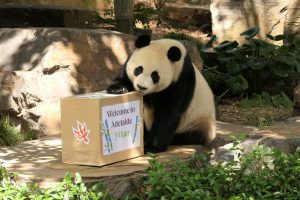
(4, 174)
(253, 67)
(67, 189)
(10, 136)
(266, 99)
(264, 173)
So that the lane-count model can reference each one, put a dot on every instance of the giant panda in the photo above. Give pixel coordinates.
(178, 103)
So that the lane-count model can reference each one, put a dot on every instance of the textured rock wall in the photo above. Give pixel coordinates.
(292, 23)
(232, 17)
(39, 66)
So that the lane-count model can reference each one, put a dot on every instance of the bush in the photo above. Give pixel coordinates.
(264, 173)
(252, 177)
(9, 135)
(254, 67)
(67, 189)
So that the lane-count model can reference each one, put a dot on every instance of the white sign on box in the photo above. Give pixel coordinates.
(120, 127)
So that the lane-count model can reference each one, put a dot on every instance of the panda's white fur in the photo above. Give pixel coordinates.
(197, 117)
(201, 112)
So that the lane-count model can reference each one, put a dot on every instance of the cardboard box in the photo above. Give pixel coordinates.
(99, 128)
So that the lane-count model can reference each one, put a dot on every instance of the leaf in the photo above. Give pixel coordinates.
(237, 84)
(67, 177)
(283, 50)
(266, 51)
(280, 70)
(208, 55)
(297, 42)
(250, 33)
(256, 63)
(297, 65)
(233, 68)
(210, 42)
(254, 101)
(266, 98)
(259, 43)
(226, 46)
(78, 178)
(224, 57)
(246, 103)
(279, 37)
(281, 100)
(288, 60)
(271, 37)
(98, 187)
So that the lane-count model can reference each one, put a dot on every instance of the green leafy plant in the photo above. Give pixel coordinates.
(252, 67)
(264, 173)
(266, 99)
(67, 189)
(9, 135)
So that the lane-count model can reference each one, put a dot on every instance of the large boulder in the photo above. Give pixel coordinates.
(231, 17)
(39, 66)
(292, 22)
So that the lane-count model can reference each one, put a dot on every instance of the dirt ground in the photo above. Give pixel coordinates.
(231, 111)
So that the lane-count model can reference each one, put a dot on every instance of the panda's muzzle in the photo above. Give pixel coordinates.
(141, 87)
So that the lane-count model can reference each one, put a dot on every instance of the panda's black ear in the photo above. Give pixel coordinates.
(142, 41)
(174, 54)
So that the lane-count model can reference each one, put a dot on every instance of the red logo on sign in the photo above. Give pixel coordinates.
(82, 132)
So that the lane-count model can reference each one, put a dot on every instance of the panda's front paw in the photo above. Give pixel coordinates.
(117, 89)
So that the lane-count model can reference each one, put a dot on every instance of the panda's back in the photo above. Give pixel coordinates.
(201, 110)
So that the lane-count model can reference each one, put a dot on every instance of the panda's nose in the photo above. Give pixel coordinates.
(141, 87)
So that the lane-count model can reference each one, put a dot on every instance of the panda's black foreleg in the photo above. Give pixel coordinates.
(162, 132)
(121, 84)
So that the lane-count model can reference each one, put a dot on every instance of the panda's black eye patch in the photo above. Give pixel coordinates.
(138, 70)
(155, 77)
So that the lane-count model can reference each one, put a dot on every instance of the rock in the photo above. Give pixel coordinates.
(194, 53)
(223, 150)
(285, 145)
(122, 186)
(189, 13)
(227, 152)
(230, 18)
(292, 22)
(38, 66)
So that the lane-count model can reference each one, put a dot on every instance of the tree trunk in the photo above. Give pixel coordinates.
(124, 15)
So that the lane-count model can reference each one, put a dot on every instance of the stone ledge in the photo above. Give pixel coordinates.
(40, 160)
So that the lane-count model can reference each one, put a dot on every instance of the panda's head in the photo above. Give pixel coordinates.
(155, 65)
